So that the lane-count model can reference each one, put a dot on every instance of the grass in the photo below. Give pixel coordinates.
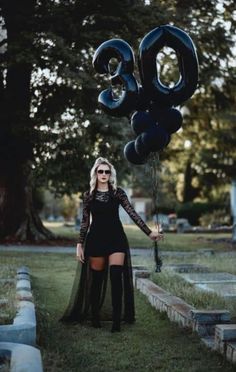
(177, 286)
(4, 364)
(172, 241)
(214, 262)
(7, 271)
(7, 291)
(59, 229)
(153, 343)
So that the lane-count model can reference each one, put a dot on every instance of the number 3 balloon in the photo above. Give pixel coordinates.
(119, 49)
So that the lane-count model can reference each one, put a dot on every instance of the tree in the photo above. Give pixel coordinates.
(51, 128)
(209, 123)
(16, 131)
(49, 100)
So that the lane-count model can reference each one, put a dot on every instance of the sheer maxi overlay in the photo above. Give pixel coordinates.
(104, 236)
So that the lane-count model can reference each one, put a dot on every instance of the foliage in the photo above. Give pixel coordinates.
(68, 130)
(64, 206)
(51, 125)
(193, 211)
(218, 217)
(209, 119)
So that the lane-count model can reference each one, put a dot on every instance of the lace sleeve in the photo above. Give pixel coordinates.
(85, 219)
(124, 201)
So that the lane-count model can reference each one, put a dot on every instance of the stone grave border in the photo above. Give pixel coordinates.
(17, 340)
(212, 326)
(22, 357)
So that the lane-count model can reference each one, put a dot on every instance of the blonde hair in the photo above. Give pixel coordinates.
(93, 174)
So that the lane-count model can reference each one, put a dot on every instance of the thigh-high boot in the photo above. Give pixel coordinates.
(96, 287)
(116, 295)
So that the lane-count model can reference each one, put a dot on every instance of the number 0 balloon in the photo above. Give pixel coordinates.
(150, 46)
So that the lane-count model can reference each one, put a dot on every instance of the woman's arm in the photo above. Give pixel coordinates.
(85, 219)
(124, 201)
(83, 228)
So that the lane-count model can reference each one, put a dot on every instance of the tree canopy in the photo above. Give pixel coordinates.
(51, 127)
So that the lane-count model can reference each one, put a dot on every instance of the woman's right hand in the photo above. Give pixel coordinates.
(80, 252)
(156, 235)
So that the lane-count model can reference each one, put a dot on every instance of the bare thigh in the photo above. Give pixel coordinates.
(117, 259)
(97, 263)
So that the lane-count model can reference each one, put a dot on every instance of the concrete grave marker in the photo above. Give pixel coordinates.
(209, 278)
(227, 290)
(187, 268)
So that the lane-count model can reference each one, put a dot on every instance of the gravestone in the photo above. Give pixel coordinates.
(226, 290)
(186, 268)
(211, 277)
(223, 284)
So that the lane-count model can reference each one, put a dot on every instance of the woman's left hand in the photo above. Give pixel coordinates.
(155, 235)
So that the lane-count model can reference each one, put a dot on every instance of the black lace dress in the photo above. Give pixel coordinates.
(106, 234)
(102, 237)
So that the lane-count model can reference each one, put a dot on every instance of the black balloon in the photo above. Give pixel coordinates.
(127, 101)
(155, 118)
(168, 139)
(143, 101)
(150, 46)
(155, 139)
(156, 110)
(171, 118)
(172, 121)
(141, 121)
(114, 48)
(142, 149)
(131, 154)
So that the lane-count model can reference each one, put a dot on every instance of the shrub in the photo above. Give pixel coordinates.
(216, 218)
(193, 211)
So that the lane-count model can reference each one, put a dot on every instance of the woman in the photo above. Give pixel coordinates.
(103, 244)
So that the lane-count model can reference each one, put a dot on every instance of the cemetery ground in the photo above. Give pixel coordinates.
(153, 342)
(172, 241)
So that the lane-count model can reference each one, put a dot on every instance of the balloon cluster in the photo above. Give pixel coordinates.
(153, 129)
(151, 105)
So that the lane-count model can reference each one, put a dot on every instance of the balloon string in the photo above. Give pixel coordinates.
(154, 165)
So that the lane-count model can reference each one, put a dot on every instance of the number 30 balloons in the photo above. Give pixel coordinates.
(154, 117)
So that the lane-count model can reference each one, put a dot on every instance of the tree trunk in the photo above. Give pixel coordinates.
(189, 192)
(18, 219)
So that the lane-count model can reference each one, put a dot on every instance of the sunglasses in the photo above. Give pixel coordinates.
(101, 171)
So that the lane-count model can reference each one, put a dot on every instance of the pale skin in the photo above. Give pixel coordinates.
(98, 263)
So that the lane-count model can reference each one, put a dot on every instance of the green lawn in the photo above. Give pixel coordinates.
(171, 242)
(152, 344)
(200, 299)
(176, 285)
(7, 292)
